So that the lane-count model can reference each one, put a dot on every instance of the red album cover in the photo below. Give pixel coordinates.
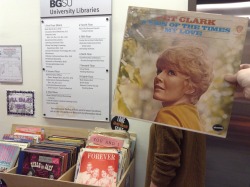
(43, 165)
(98, 168)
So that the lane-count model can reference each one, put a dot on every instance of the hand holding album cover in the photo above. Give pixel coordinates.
(173, 65)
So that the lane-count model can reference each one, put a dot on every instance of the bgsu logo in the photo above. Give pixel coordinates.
(60, 3)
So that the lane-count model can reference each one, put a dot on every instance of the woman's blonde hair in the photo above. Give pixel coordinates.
(192, 62)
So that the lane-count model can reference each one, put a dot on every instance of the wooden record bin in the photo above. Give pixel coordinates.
(66, 180)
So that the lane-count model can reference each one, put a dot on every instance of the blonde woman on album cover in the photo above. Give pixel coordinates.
(183, 75)
(176, 158)
(94, 178)
(82, 177)
(104, 181)
(112, 175)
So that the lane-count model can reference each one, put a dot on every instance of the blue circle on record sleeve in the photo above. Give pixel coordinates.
(119, 123)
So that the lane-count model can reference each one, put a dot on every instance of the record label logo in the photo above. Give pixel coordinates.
(218, 127)
(60, 3)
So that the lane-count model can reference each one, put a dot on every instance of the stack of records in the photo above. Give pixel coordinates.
(51, 157)
(105, 158)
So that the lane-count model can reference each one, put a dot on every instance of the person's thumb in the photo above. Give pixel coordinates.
(244, 66)
(246, 93)
(243, 78)
(231, 78)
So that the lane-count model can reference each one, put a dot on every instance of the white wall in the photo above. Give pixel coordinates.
(20, 25)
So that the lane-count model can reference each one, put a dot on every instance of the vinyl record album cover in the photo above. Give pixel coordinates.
(41, 164)
(172, 68)
(97, 167)
(8, 156)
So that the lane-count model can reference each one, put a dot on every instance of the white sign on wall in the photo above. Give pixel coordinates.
(76, 67)
(59, 8)
(11, 63)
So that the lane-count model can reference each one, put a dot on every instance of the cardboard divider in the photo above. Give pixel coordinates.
(12, 170)
(15, 180)
(68, 175)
